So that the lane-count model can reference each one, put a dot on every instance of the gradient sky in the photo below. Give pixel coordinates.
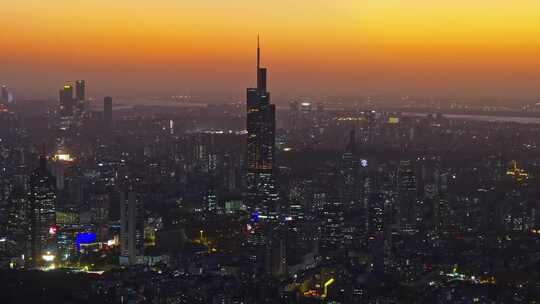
(312, 47)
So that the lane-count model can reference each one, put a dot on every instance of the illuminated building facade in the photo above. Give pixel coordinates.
(409, 210)
(517, 173)
(58, 166)
(66, 100)
(42, 214)
(19, 218)
(261, 128)
(332, 225)
(67, 222)
(349, 169)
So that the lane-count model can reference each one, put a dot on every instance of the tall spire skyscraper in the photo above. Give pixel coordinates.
(261, 72)
(261, 128)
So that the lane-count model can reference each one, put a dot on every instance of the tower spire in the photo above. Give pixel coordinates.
(258, 55)
(261, 72)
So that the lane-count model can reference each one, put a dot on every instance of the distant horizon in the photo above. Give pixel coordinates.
(312, 48)
(282, 101)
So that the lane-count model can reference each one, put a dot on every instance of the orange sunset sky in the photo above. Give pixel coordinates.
(311, 47)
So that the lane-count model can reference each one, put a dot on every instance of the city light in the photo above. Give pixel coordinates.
(326, 285)
(367, 174)
(393, 120)
(48, 257)
(63, 157)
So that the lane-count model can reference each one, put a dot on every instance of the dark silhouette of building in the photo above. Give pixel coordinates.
(80, 90)
(5, 94)
(66, 100)
(107, 111)
(131, 229)
(80, 95)
(261, 127)
(276, 256)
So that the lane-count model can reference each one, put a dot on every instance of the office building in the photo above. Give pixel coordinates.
(80, 90)
(131, 229)
(66, 100)
(80, 96)
(4, 93)
(410, 212)
(42, 232)
(261, 127)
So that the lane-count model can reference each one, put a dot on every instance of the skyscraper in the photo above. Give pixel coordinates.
(42, 214)
(5, 93)
(66, 100)
(131, 229)
(261, 127)
(107, 111)
(80, 90)
(80, 96)
(410, 212)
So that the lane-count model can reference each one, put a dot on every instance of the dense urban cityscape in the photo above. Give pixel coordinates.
(315, 202)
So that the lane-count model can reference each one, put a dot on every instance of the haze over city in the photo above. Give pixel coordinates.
(317, 48)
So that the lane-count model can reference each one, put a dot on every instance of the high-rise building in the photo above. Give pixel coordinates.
(107, 111)
(80, 90)
(66, 100)
(131, 229)
(410, 211)
(58, 166)
(349, 167)
(276, 255)
(42, 214)
(4, 93)
(80, 95)
(19, 217)
(261, 127)
(293, 115)
(332, 225)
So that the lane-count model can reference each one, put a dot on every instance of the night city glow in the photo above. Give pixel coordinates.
(314, 152)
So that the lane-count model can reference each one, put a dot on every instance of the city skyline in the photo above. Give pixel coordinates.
(317, 48)
(220, 199)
